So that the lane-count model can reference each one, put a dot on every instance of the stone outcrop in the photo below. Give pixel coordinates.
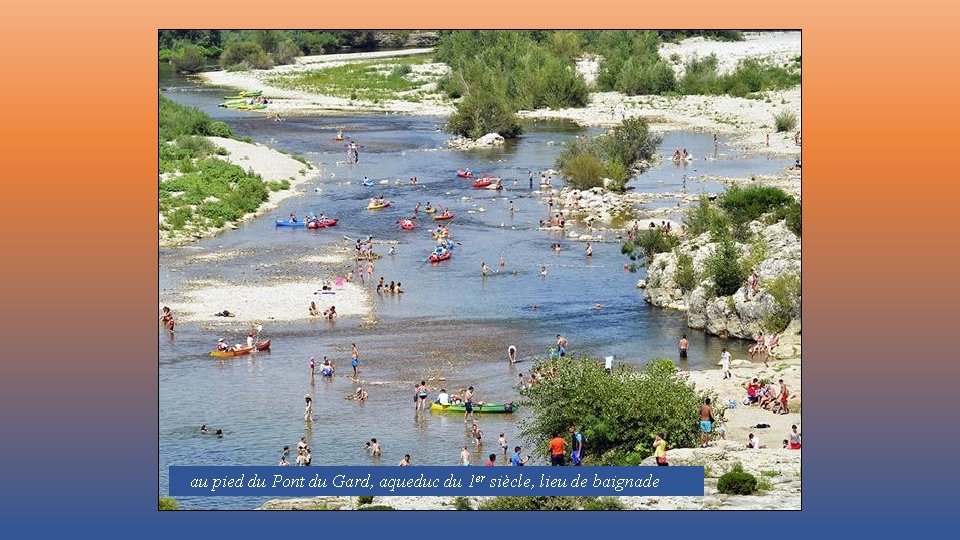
(490, 140)
(736, 315)
(399, 40)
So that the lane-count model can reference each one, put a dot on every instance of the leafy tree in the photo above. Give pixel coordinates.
(618, 412)
(724, 268)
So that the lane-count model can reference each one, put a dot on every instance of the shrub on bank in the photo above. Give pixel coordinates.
(604, 503)
(484, 110)
(744, 205)
(615, 410)
(724, 268)
(188, 59)
(685, 276)
(362, 500)
(532, 503)
(785, 121)
(585, 162)
(462, 503)
(737, 482)
(376, 507)
(247, 53)
(785, 290)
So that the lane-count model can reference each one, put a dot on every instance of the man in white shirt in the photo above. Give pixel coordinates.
(725, 362)
(443, 398)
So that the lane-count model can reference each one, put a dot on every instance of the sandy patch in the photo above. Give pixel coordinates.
(778, 47)
(287, 301)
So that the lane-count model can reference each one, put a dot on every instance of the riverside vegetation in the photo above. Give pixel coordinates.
(197, 190)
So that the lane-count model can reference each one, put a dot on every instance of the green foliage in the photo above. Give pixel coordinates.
(614, 411)
(180, 217)
(785, 290)
(585, 161)
(785, 120)
(604, 503)
(368, 80)
(705, 217)
(168, 503)
(793, 216)
(249, 54)
(631, 62)
(287, 51)
(362, 500)
(462, 503)
(527, 70)
(724, 268)
(484, 110)
(376, 507)
(685, 276)
(719, 35)
(737, 482)
(744, 205)
(188, 59)
(650, 242)
(750, 77)
(583, 171)
(176, 120)
(757, 253)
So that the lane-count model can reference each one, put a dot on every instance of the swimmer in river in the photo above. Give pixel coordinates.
(512, 354)
(543, 271)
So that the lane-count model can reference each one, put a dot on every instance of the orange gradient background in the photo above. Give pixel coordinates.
(79, 93)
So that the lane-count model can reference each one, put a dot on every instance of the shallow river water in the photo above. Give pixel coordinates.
(451, 325)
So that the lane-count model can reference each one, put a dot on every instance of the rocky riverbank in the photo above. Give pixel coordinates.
(739, 315)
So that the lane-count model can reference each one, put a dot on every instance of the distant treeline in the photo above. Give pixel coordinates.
(191, 50)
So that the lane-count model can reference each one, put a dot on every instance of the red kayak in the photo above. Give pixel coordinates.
(434, 258)
(407, 225)
(322, 223)
(444, 216)
(262, 346)
(483, 182)
(464, 174)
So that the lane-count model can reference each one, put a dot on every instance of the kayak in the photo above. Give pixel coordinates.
(464, 174)
(477, 407)
(249, 94)
(322, 223)
(288, 223)
(429, 210)
(495, 185)
(377, 206)
(262, 346)
(482, 183)
(444, 216)
(407, 224)
(435, 257)
(368, 183)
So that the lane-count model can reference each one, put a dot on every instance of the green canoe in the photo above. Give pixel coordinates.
(477, 408)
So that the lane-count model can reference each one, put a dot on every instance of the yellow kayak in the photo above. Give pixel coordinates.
(378, 206)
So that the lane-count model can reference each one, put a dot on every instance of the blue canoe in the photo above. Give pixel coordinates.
(288, 223)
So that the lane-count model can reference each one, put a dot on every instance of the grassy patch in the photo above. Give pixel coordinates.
(369, 80)
(769, 474)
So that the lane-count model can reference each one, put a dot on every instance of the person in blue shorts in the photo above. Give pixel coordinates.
(706, 422)
(354, 359)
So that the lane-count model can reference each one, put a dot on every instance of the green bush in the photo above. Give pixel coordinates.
(793, 215)
(724, 268)
(188, 59)
(362, 500)
(614, 411)
(287, 51)
(757, 253)
(180, 217)
(314, 42)
(705, 217)
(785, 290)
(583, 171)
(248, 53)
(401, 69)
(785, 121)
(744, 205)
(737, 482)
(653, 241)
(376, 507)
(484, 110)
(604, 503)
(168, 503)
(462, 503)
(685, 276)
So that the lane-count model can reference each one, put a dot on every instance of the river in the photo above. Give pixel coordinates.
(451, 325)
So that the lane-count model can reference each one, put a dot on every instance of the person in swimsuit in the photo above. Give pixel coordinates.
(354, 359)
(561, 346)
(313, 367)
(477, 435)
(422, 393)
(706, 422)
(484, 269)
(360, 394)
(314, 310)
(405, 462)
(660, 450)
(784, 396)
(512, 354)
(327, 368)
(502, 441)
(374, 448)
(203, 429)
(468, 404)
(683, 345)
(308, 408)
(465, 457)
(166, 318)
(794, 438)
(589, 250)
